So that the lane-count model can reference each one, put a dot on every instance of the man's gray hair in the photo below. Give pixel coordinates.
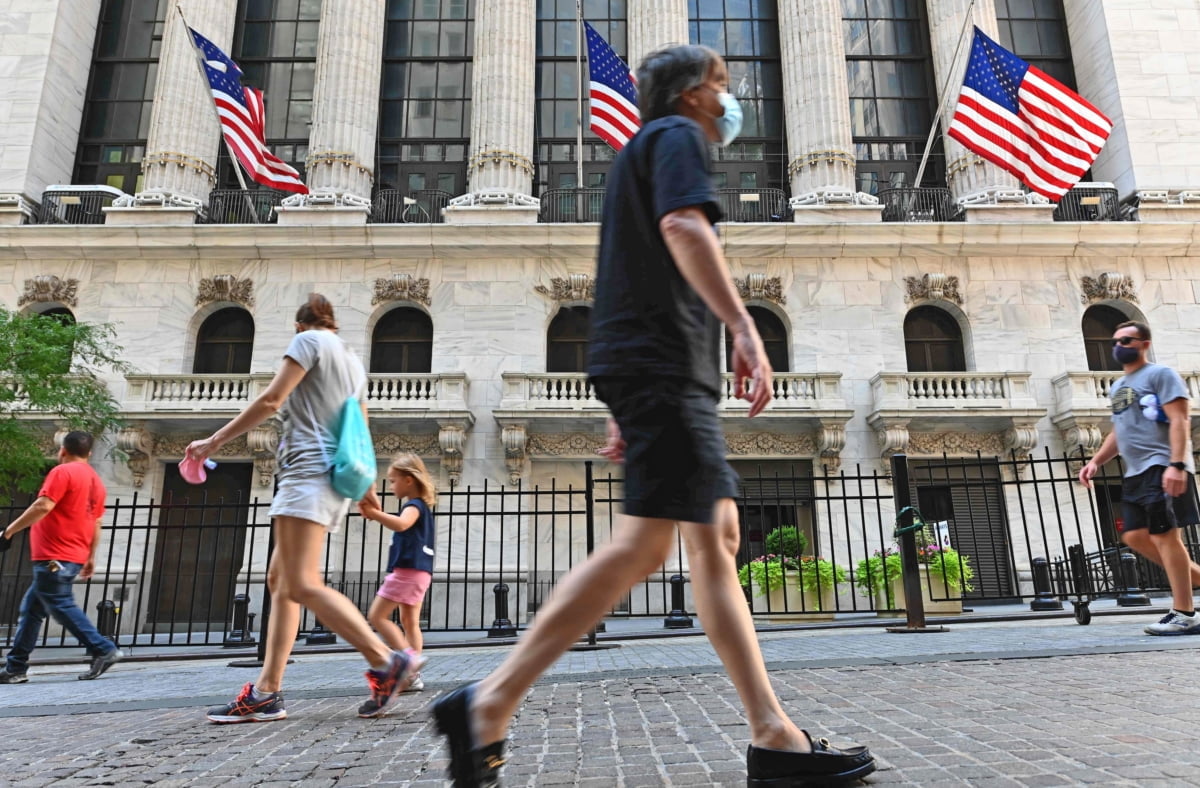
(666, 74)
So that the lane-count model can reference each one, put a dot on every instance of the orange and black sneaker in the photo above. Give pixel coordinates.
(386, 684)
(248, 708)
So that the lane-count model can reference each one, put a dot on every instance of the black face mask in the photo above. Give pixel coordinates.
(1125, 354)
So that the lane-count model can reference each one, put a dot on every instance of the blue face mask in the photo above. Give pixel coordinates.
(729, 124)
(1124, 354)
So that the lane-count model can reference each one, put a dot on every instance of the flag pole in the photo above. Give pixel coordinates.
(945, 94)
(579, 101)
(237, 165)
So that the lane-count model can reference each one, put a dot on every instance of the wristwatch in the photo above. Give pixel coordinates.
(1179, 466)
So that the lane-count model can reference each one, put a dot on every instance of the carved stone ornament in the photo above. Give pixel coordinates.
(170, 447)
(138, 445)
(565, 444)
(576, 287)
(394, 443)
(831, 439)
(226, 287)
(49, 289)
(263, 442)
(761, 287)
(1109, 286)
(769, 444)
(401, 287)
(452, 438)
(516, 448)
(932, 287)
(1081, 437)
(990, 444)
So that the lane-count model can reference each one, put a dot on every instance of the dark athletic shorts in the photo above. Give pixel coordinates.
(675, 465)
(1144, 504)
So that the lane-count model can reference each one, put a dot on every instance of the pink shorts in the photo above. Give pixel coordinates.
(405, 586)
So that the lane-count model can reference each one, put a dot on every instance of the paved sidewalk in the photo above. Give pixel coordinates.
(1027, 703)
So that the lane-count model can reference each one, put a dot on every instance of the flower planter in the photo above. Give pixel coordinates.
(933, 607)
(790, 604)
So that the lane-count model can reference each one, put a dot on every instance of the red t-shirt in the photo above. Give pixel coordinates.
(66, 533)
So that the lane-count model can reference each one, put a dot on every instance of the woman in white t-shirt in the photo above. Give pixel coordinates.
(319, 372)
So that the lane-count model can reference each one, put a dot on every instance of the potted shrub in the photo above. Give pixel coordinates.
(945, 575)
(774, 577)
(820, 578)
(874, 576)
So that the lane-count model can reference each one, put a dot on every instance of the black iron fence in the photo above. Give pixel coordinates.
(243, 206)
(191, 571)
(755, 205)
(1089, 202)
(84, 205)
(571, 205)
(926, 204)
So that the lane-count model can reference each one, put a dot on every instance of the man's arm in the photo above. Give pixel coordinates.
(36, 511)
(1174, 481)
(89, 566)
(1106, 452)
(697, 253)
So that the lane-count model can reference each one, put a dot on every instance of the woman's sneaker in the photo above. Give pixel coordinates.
(1175, 623)
(246, 708)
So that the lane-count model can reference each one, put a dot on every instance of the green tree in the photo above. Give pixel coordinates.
(48, 373)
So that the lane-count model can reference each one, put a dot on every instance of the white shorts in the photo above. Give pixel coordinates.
(310, 498)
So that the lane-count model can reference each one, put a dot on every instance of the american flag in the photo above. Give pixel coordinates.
(241, 112)
(1019, 118)
(612, 96)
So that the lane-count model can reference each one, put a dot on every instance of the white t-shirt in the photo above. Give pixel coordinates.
(333, 373)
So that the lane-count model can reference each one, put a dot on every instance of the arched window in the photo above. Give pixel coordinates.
(403, 342)
(933, 341)
(1099, 324)
(224, 343)
(567, 340)
(774, 337)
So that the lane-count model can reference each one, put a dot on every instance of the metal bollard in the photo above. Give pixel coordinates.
(1131, 595)
(678, 617)
(320, 636)
(1043, 588)
(106, 619)
(502, 627)
(239, 634)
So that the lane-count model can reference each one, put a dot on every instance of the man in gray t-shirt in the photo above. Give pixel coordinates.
(1151, 429)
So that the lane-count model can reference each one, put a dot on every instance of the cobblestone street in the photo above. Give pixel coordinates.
(1033, 704)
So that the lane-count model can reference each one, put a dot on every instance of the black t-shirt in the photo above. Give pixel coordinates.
(647, 319)
(413, 548)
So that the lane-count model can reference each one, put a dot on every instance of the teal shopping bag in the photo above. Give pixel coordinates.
(353, 470)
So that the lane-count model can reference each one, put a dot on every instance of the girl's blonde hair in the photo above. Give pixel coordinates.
(412, 465)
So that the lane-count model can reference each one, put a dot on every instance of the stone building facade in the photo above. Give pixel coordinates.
(923, 337)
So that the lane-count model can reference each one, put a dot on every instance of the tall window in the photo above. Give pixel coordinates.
(425, 106)
(1036, 31)
(275, 44)
(120, 94)
(933, 341)
(224, 343)
(557, 88)
(403, 342)
(567, 340)
(774, 337)
(1099, 324)
(892, 93)
(747, 36)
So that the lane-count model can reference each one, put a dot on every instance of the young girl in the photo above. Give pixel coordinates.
(410, 559)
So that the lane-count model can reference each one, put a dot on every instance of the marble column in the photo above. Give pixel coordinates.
(653, 24)
(500, 165)
(179, 168)
(341, 157)
(816, 99)
(988, 192)
(45, 55)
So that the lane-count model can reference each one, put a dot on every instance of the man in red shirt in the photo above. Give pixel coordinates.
(65, 533)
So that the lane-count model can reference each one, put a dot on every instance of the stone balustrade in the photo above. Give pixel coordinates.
(952, 390)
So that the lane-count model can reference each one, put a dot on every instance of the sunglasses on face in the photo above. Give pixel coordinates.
(1123, 341)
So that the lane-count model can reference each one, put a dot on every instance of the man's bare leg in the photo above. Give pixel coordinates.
(1142, 544)
(581, 599)
(721, 605)
(1175, 562)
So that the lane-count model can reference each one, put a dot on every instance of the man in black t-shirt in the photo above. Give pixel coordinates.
(663, 290)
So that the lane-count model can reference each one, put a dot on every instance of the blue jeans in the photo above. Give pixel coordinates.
(50, 594)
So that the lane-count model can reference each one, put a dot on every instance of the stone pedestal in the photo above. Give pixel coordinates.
(1009, 214)
(331, 215)
(139, 216)
(836, 214)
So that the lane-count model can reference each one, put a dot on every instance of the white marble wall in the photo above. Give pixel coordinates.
(45, 54)
(1137, 62)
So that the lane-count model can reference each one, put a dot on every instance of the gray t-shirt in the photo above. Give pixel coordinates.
(314, 406)
(1143, 442)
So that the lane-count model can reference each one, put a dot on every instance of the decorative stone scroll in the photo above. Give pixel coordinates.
(932, 287)
(831, 439)
(761, 287)
(1080, 439)
(515, 438)
(1109, 286)
(566, 444)
(425, 445)
(226, 287)
(171, 447)
(990, 444)
(401, 287)
(452, 439)
(49, 289)
(263, 442)
(576, 287)
(767, 443)
(138, 445)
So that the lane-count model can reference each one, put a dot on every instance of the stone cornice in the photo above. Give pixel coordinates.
(1098, 239)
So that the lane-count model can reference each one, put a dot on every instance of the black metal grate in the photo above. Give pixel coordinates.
(237, 206)
(420, 206)
(69, 206)
(1089, 202)
(927, 204)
